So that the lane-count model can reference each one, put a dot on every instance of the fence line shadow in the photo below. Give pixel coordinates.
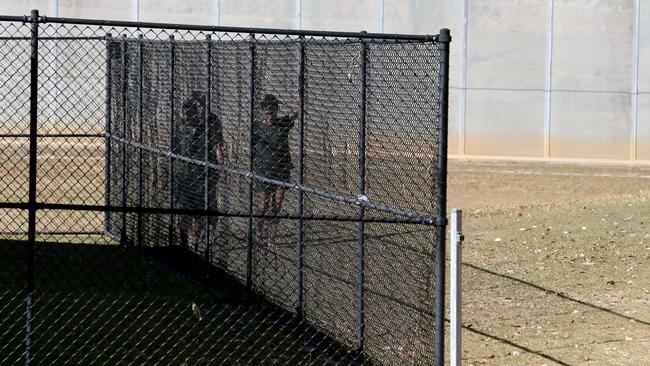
(513, 344)
(547, 291)
(556, 293)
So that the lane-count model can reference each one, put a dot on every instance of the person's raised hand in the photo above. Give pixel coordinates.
(294, 111)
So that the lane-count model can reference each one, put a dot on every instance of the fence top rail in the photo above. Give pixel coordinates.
(20, 18)
(230, 29)
(258, 40)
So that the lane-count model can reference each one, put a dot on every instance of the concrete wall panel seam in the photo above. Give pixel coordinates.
(462, 104)
(548, 78)
(635, 78)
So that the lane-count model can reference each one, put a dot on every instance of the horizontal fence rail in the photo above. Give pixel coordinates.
(185, 194)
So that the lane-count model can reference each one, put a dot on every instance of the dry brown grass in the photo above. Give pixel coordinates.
(555, 258)
(555, 263)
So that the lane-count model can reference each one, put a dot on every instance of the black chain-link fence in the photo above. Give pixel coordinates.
(210, 195)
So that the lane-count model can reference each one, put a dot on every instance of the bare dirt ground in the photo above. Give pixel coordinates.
(555, 262)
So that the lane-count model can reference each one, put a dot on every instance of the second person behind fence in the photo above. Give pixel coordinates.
(272, 160)
(190, 142)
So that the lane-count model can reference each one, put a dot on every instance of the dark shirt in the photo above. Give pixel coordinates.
(272, 153)
(189, 137)
(189, 142)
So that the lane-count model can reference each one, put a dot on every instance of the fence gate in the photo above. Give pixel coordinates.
(175, 194)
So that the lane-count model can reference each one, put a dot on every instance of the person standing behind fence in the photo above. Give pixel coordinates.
(272, 160)
(189, 141)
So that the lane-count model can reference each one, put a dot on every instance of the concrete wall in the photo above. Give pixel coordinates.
(530, 78)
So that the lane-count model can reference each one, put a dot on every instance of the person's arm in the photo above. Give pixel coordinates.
(294, 112)
(287, 121)
(219, 154)
(217, 141)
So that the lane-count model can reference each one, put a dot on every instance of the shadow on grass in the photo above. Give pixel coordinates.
(118, 305)
(513, 344)
(547, 291)
(555, 293)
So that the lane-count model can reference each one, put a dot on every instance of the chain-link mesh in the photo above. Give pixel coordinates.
(211, 197)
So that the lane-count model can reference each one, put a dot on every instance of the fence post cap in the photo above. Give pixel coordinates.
(445, 35)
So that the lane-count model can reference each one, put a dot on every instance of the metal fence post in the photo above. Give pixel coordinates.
(361, 235)
(170, 141)
(441, 191)
(33, 144)
(300, 173)
(206, 152)
(251, 111)
(138, 101)
(107, 129)
(123, 145)
(455, 286)
(222, 190)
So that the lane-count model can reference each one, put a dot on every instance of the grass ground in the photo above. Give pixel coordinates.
(554, 273)
(88, 281)
(555, 263)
